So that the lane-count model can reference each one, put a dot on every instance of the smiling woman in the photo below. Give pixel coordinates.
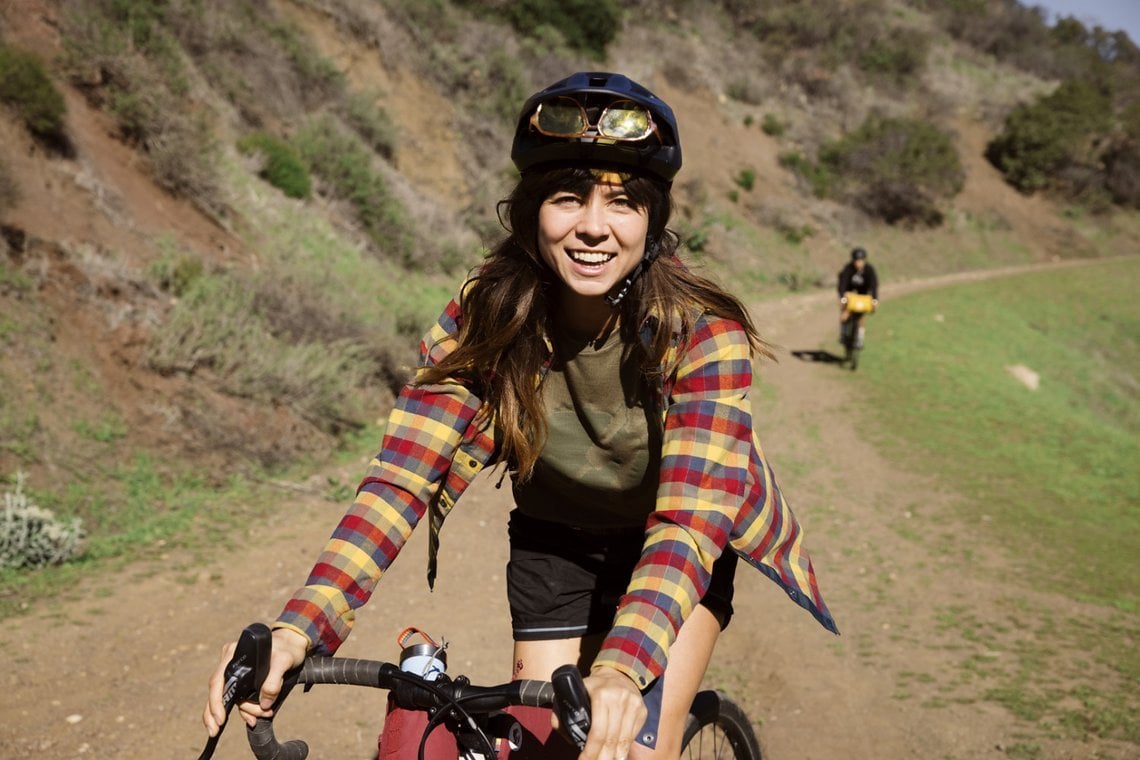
(592, 240)
(613, 384)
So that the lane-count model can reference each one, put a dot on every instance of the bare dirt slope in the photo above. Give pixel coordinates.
(121, 674)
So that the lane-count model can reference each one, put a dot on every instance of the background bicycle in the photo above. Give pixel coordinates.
(856, 307)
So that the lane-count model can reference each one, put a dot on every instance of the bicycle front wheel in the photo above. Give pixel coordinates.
(851, 347)
(718, 729)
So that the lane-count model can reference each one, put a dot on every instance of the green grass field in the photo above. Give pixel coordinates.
(1049, 476)
(1054, 471)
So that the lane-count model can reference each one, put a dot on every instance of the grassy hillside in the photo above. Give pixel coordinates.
(1050, 468)
(1047, 473)
(225, 225)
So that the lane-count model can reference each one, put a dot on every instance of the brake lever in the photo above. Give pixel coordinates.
(571, 704)
(247, 669)
(245, 673)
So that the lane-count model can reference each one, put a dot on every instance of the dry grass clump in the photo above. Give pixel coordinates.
(262, 339)
(125, 60)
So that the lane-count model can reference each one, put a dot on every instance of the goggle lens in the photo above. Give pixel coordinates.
(625, 121)
(621, 120)
(561, 117)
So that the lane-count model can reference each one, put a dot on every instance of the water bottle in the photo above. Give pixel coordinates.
(427, 660)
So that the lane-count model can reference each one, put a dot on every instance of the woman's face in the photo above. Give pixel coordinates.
(591, 241)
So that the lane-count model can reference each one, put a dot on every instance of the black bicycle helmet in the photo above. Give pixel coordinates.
(658, 153)
(858, 253)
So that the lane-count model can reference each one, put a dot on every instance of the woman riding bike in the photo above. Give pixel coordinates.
(858, 277)
(613, 384)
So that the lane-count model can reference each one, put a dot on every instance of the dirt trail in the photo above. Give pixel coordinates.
(121, 674)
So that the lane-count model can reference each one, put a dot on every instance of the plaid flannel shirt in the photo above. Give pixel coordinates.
(715, 491)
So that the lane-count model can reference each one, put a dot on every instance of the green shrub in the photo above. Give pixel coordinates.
(284, 168)
(697, 239)
(27, 88)
(106, 430)
(810, 39)
(1122, 172)
(504, 88)
(897, 55)
(1056, 131)
(371, 122)
(345, 164)
(896, 169)
(122, 40)
(1130, 121)
(1010, 31)
(772, 125)
(799, 24)
(795, 234)
(317, 76)
(818, 177)
(745, 89)
(176, 272)
(31, 537)
(746, 179)
(139, 20)
(587, 25)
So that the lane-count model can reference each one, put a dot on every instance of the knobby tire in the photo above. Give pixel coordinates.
(850, 337)
(718, 729)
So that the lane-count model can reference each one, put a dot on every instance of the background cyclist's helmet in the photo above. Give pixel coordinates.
(858, 253)
(559, 134)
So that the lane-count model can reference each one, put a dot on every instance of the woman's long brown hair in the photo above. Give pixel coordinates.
(507, 306)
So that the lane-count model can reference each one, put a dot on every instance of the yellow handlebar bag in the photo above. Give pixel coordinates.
(859, 303)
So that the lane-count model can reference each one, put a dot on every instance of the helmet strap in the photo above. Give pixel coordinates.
(619, 292)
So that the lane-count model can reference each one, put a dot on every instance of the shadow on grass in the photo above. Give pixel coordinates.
(823, 357)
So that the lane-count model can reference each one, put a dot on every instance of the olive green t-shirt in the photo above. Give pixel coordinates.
(601, 462)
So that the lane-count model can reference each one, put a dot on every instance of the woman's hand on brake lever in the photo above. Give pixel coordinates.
(288, 651)
(617, 711)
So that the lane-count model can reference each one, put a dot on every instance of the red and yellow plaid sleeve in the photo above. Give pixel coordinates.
(704, 474)
(716, 490)
(422, 433)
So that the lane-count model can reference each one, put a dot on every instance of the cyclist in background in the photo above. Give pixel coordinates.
(613, 384)
(858, 276)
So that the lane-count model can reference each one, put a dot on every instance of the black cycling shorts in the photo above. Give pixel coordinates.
(565, 582)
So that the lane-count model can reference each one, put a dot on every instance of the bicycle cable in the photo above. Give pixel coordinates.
(453, 706)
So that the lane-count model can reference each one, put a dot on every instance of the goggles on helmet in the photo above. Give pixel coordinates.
(601, 118)
(565, 117)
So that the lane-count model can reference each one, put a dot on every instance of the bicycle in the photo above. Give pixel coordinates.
(716, 728)
(855, 306)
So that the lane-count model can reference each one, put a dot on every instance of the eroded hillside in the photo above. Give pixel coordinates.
(96, 243)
